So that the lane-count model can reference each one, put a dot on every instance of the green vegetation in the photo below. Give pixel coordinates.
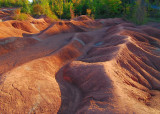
(139, 15)
(136, 10)
(21, 17)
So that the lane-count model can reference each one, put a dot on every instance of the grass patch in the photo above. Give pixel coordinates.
(53, 17)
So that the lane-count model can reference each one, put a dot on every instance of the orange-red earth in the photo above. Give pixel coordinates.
(81, 66)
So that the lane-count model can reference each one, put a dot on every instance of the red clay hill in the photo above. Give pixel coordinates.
(81, 66)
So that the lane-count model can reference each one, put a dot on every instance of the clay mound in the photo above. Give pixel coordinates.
(154, 24)
(10, 44)
(129, 70)
(60, 27)
(86, 22)
(3, 14)
(82, 18)
(17, 28)
(155, 32)
(24, 26)
(75, 70)
(40, 24)
(111, 22)
(7, 13)
(38, 92)
(6, 32)
(72, 26)
(87, 25)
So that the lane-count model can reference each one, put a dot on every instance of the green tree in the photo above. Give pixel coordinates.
(140, 13)
(58, 7)
(26, 8)
(37, 9)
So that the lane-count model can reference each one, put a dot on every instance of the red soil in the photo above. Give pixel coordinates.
(80, 66)
(60, 27)
(14, 28)
(10, 44)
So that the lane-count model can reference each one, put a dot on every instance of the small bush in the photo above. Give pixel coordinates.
(21, 17)
(53, 17)
(37, 9)
(17, 11)
(89, 11)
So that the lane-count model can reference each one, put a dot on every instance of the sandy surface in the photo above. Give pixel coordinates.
(82, 66)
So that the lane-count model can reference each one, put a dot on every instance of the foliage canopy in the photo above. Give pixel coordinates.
(96, 8)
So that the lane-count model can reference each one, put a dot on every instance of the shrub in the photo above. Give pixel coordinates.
(53, 17)
(37, 9)
(21, 16)
(89, 11)
(17, 11)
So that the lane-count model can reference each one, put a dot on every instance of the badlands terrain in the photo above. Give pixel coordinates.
(81, 66)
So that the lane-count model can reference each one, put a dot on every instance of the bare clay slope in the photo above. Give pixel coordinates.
(112, 69)
(13, 32)
(15, 28)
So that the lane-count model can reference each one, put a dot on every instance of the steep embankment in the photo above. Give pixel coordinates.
(81, 24)
(78, 68)
(14, 28)
(18, 34)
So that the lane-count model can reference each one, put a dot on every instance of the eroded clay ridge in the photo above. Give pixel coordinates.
(81, 66)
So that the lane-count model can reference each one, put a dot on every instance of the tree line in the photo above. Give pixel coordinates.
(67, 9)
